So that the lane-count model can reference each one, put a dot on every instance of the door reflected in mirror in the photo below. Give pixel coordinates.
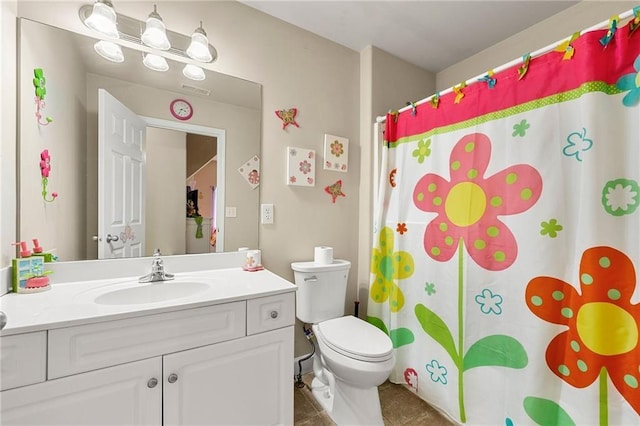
(226, 110)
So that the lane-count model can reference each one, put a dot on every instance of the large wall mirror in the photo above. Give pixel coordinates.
(200, 162)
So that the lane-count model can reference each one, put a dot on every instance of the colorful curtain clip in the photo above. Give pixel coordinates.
(435, 100)
(458, 92)
(414, 108)
(613, 27)
(635, 22)
(567, 48)
(522, 69)
(491, 82)
(395, 115)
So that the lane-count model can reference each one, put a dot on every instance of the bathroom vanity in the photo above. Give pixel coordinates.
(122, 353)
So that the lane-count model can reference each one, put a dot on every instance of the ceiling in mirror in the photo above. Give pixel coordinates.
(216, 86)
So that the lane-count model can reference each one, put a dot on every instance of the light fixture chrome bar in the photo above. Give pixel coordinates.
(130, 30)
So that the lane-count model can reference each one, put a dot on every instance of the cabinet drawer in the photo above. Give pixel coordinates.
(270, 313)
(22, 359)
(92, 346)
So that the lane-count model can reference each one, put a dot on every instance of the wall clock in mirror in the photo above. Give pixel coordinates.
(181, 109)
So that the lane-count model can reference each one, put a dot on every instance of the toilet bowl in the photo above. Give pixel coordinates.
(352, 357)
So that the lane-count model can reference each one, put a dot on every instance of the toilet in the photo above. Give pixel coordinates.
(352, 357)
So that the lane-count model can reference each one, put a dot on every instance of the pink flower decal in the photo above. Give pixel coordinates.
(45, 163)
(468, 206)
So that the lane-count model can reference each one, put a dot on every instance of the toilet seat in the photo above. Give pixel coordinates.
(356, 339)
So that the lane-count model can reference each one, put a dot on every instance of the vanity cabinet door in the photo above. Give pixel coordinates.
(246, 381)
(121, 395)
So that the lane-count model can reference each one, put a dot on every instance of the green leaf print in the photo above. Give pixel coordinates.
(546, 412)
(433, 325)
(498, 350)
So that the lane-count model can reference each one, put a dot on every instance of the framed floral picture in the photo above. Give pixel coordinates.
(336, 153)
(301, 167)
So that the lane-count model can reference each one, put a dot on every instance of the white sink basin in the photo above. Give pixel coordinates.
(160, 291)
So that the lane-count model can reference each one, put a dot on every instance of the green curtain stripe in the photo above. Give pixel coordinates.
(592, 86)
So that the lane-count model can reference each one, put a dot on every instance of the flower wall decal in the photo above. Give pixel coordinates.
(592, 348)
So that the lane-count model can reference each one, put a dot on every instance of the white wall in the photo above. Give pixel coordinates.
(166, 162)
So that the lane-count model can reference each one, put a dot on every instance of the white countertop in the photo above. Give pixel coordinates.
(72, 303)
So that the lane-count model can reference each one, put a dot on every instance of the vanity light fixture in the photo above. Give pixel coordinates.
(193, 72)
(103, 19)
(109, 51)
(155, 62)
(151, 34)
(199, 47)
(155, 33)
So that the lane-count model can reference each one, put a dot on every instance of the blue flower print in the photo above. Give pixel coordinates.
(631, 82)
(438, 372)
(489, 302)
(576, 144)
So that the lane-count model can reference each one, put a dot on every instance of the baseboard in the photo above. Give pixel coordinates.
(307, 365)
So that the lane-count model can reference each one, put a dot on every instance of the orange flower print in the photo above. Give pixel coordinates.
(401, 228)
(603, 325)
(468, 206)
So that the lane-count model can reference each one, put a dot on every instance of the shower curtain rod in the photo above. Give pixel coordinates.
(539, 52)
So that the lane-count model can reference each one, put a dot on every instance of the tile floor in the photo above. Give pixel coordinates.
(400, 407)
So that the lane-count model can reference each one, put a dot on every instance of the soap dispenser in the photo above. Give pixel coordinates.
(28, 274)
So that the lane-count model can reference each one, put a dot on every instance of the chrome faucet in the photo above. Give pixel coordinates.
(157, 270)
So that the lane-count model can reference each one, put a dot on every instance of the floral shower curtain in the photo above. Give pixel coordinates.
(507, 240)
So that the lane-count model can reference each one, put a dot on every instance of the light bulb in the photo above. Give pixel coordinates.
(193, 72)
(155, 62)
(155, 33)
(103, 19)
(109, 50)
(199, 47)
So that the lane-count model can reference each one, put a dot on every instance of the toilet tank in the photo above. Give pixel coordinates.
(322, 290)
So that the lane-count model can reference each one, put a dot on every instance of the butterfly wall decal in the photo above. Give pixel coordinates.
(288, 116)
(335, 190)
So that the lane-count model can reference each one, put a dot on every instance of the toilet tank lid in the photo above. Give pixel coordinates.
(336, 265)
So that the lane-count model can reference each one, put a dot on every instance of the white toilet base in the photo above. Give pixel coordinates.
(348, 405)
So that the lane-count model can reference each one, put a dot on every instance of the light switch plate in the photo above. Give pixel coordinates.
(266, 214)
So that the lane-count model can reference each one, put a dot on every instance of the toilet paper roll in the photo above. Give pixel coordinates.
(323, 255)
(253, 259)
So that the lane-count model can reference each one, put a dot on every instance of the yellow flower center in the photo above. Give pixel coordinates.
(466, 203)
(607, 329)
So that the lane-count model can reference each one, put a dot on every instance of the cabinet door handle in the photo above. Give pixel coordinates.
(274, 314)
(173, 377)
(152, 383)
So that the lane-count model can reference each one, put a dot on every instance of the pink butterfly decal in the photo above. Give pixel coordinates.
(288, 116)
